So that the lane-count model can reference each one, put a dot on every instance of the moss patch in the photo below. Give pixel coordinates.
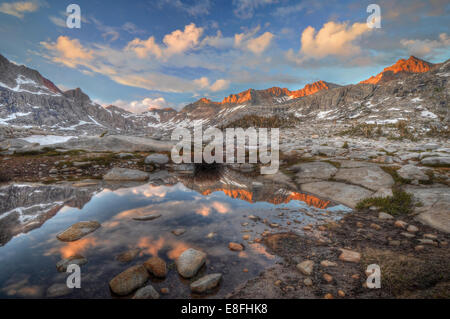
(399, 204)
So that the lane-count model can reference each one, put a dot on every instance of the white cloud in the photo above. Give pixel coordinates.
(140, 106)
(426, 47)
(333, 39)
(219, 85)
(60, 22)
(261, 43)
(19, 8)
(200, 7)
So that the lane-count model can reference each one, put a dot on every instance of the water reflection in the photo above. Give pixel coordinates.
(213, 212)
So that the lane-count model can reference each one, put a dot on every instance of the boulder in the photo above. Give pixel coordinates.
(159, 159)
(129, 280)
(62, 265)
(156, 266)
(412, 172)
(189, 262)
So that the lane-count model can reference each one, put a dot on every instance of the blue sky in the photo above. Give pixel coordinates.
(140, 54)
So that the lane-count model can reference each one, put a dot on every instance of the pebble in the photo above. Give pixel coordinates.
(349, 256)
(407, 235)
(328, 278)
(426, 241)
(419, 248)
(206, 283)
(189, 262)
(178, 231)
(412, 229)
(235, 247)
(385, 216)
(308, 282)
(165, 291)
(375, 226)
(400, 224)
(306, 267)
(147, 292)
(327, 263)
(341, 293)
(156, 266)
(328, 296)
(129, 280)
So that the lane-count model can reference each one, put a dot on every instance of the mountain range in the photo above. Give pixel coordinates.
(411, 89)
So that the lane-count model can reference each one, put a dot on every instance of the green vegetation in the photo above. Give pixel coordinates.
(400, 129)
(399, 204)
(392, 170)
(346, 145)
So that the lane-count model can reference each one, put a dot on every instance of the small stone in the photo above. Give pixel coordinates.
(307, 228)
(156, 266)
(412, 229)
(394, 243)
(245, 270)
(178, 231)
(308, 282)
(327, 263)
(129, 255)
(419, 248)
(78, 230)
(189, 262)
(277, 283)
(349, 256)
(328, 278)
(165, 291)
(355, 276)
(407, 235)
(246, 237)
(211, 235)
(306, 267)
(430, 236)
(62, 265)
(147, 292)
(359, 225)
(235, 247)
(375, 226)
(341, 293)
(400, 224)
(129, 280)
(426, 241)
(253, 218)
(206, 283)
(328, 296)
(58, 290)
(385, 216)
(159, 159)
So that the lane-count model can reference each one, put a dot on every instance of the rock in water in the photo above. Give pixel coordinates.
(189, 262)
(159, 159)
(125, 174)
(349, 256)
(156, 266)
(206, 283)
(62, 265)
(147, 217)
(58, 290)
(128, 255)
(78, 230)
(147, 292)
(235, 247)
(306, 267)
(129, 280)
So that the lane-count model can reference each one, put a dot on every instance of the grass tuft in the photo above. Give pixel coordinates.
(401, 203)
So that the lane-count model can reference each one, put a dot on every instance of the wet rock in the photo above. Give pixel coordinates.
(128, 255)
(349, 256)
(371, 177)
(147, 292)
(306, 267)
(341, 293)
(62, 265)
(147, 217)
(159, 159)
(58, 290)
(412, 172)
(178, 231)
(125, 174)
(346, 194)
(129, 280)
(206, 283)
(156, 266)
(189, 262)
(78, 231)
(235, 247)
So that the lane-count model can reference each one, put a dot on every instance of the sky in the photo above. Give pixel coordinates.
(169, 53)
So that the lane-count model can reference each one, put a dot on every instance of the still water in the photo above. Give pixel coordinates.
(212, 213)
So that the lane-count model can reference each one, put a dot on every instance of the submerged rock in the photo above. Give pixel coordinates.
(235, 247)
(78, 230)
(147, 292)
(147, 217)
(128, 255)
(206, 283)
(129, 280)
(125, 174)
(58, 290)
(156, 266)
(189, 262)
(62, 265)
